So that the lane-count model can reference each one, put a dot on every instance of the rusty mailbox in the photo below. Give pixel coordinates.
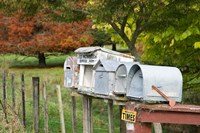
(71, 72)
(88, 57)
(141, 78)
(105, 73)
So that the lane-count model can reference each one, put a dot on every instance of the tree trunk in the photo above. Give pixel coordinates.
(132, 50)
(130, 42)
(114, 47)
(42, 60)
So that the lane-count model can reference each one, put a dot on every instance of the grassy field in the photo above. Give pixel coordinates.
(53, 76)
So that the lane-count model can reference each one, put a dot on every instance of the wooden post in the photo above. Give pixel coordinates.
(74, 114)
(4, 87)
(122, 123)
(36, 96)
(13, 90)
(23, 101)
(45, 108)
(4, 95)
(110, 116)
(138, 127)
(61, 109)
(157, 127)
(87, 113)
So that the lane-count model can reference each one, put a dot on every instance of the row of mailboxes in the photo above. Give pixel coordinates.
(110, 77)
(115, 77)
(87, 58)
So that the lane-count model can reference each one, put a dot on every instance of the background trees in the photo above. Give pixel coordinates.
(35, 30)
(128, 18)
(169, 29)
(174, 40)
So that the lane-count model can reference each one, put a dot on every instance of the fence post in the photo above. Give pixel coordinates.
(13, 90)
(110, 116)
(122, 123)
(45, 108)
(87, 114)
(61, 109)
(4, 95)
(23, 101)
(36, 100)
(73, 98)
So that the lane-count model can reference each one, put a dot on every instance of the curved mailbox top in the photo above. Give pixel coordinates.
(70, 62)
(166, 79)
(107, 65)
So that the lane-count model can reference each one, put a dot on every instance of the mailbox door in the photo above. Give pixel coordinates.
(68, 77)
(120, 85)
(88, 76)
(136, 85)
(101, 83)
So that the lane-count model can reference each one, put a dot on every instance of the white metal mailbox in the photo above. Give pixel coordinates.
(105, 71)
(121, 78)
(88, 57)
(71, 72)
(167, 79)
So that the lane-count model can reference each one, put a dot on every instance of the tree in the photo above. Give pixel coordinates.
(170, 30)
(36, 27)
(30, 35)
(175, 41)
(128, 18)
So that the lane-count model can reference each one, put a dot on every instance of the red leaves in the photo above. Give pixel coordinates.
(30, 35)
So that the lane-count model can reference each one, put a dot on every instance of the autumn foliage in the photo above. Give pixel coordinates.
(38, 34)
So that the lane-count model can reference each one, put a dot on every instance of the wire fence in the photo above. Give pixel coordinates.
(18, 106)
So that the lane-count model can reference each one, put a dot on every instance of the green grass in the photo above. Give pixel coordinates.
(19, 61)
(53, 76)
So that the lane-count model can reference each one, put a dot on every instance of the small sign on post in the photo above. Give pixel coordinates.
(128, 115)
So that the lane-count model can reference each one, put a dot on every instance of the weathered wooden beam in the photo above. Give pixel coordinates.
(36, 95)
(74, 123)
(61, 109)
(45, 108)
(23, 101)
(13, 90)
(110, 116)
(87, 114)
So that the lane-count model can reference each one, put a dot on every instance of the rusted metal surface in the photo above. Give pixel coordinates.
(163, 113)
(169, 117)
(176, 108)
